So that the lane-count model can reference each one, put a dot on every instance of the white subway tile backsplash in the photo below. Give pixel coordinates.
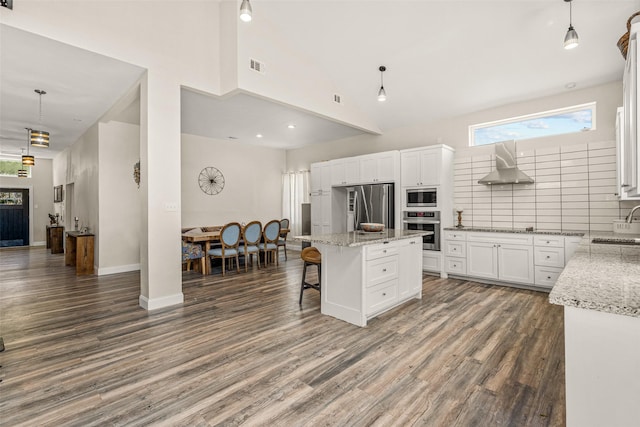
(574, 189)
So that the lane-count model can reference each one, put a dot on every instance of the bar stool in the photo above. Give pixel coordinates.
(310, 256)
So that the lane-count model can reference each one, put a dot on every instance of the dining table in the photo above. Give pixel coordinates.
(208, 237)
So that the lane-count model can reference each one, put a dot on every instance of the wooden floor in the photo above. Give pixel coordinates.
(79, 351)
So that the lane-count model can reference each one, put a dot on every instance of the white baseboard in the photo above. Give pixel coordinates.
(118, 269)
(38, 243)
(162, 302)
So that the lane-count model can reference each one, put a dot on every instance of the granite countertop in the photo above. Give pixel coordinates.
(515, 230)
(360, 238)
(602, 277)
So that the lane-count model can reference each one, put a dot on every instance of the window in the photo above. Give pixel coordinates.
(11, 167)
(578, 118)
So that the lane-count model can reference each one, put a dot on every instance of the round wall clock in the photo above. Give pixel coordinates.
(211, 180)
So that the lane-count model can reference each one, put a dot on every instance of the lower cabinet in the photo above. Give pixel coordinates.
(519, 258)
(410, 277)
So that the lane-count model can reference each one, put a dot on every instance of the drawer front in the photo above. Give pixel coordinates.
(431, 261)
(547, 276)
(382, 270)
(549, 257)
(382, 296)
(379, 251)
(553, 241)
(455, 265)
(455, 248)
(501, 238)
(455, 235)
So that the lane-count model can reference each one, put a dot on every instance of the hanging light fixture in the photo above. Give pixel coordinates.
(245, 11)
(39, 138)
(22, 172)
(382, 95)
(571, 38)
(28, 160)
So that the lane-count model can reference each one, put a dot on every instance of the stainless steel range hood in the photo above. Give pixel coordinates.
(506, 170)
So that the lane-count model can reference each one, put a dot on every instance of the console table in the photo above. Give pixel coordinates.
(54, 236)
(79, 251)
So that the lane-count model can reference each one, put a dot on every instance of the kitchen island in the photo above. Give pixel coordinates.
(366, 274)
(600, 291)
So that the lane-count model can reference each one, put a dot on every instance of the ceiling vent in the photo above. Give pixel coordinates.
(257, 66)
(337, 99)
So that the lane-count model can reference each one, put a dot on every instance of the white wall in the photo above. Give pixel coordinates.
(454, 131)
(119, 198)
(40, 185)
(253, 182)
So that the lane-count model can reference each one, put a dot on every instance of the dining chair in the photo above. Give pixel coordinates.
(229, 240)
(191, 251)
(282, 241)
(251, 236)
(269, 244)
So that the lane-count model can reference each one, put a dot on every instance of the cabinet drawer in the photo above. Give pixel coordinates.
(455, 248)
(382, 270)
(431, 261)
(549, 257)
(382, 296)
(383, 250)
(501, 238)
(454, 235)
(455, 265)
(553, 241)
(547, 276)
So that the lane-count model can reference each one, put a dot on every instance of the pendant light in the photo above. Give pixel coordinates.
(571, 38)
(22, 172)
(28, 160)
(245, 11)
(382, 95)
(39, 138)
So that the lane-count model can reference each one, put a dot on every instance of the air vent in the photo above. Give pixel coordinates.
(257, 66)
(336, 98)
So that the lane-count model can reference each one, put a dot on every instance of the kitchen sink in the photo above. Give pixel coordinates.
(621, 226)
(621, 241)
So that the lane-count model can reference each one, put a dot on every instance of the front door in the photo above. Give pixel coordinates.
(14, 217)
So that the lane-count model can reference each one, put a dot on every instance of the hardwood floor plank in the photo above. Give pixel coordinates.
(242, 351)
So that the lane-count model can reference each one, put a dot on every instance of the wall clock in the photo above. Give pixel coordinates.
(211, 180)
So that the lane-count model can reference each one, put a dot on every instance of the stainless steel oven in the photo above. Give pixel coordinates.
(424, 221)
(422, 198)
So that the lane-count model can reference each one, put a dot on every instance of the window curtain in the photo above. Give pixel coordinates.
(295, 191)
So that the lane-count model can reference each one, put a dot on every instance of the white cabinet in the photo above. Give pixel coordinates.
(421, 167)
(410, 278)
(321, 177)
(493, 256)
(432, 261)
(629, 144)
(379, 167)
(622, 160)
(345, 171)
(321, 213)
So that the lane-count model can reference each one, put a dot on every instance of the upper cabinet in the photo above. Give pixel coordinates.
(627, 123)
(321, 178)
(379, 167)
(427, 166)
(345, 171)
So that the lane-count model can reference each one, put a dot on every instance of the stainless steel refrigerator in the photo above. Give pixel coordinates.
(370, 203)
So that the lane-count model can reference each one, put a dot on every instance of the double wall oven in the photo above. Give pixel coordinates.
(424, 221)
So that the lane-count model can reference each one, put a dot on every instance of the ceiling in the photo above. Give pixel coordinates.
(443, 59)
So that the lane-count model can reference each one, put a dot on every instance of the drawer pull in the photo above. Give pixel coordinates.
(548, 257)
(455, 265)
(384, 294)
(384, 270)
(548, 277)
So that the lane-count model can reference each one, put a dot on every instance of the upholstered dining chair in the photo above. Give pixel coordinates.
(191, 251)
(269, 244)
(251, 236)
(229, 240)
(282, 241)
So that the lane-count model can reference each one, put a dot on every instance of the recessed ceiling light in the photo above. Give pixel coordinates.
(570, 85)
(259, 135)
(292, 126)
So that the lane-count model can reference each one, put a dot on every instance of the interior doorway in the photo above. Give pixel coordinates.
(14, 217)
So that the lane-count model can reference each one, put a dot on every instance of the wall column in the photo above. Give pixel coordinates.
(160, 272)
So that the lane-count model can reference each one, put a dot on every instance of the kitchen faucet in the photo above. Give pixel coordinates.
(630, 216)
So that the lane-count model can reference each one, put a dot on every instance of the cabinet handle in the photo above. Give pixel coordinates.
(413, 242)
(455, 265)
(384, 294)
(548, 242)
(384, 270)
(548, 277)
(548, 257)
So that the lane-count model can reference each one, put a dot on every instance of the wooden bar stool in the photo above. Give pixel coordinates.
(310, 256)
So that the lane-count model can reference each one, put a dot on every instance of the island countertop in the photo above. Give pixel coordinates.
(361, 238)
(602, 277)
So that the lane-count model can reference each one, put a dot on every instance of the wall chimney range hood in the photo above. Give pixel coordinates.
(506, 170)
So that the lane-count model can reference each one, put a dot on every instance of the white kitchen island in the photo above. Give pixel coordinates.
(366, 274)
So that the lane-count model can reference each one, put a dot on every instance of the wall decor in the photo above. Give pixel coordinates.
(211, 180)
(136, 173)
(57, 194)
